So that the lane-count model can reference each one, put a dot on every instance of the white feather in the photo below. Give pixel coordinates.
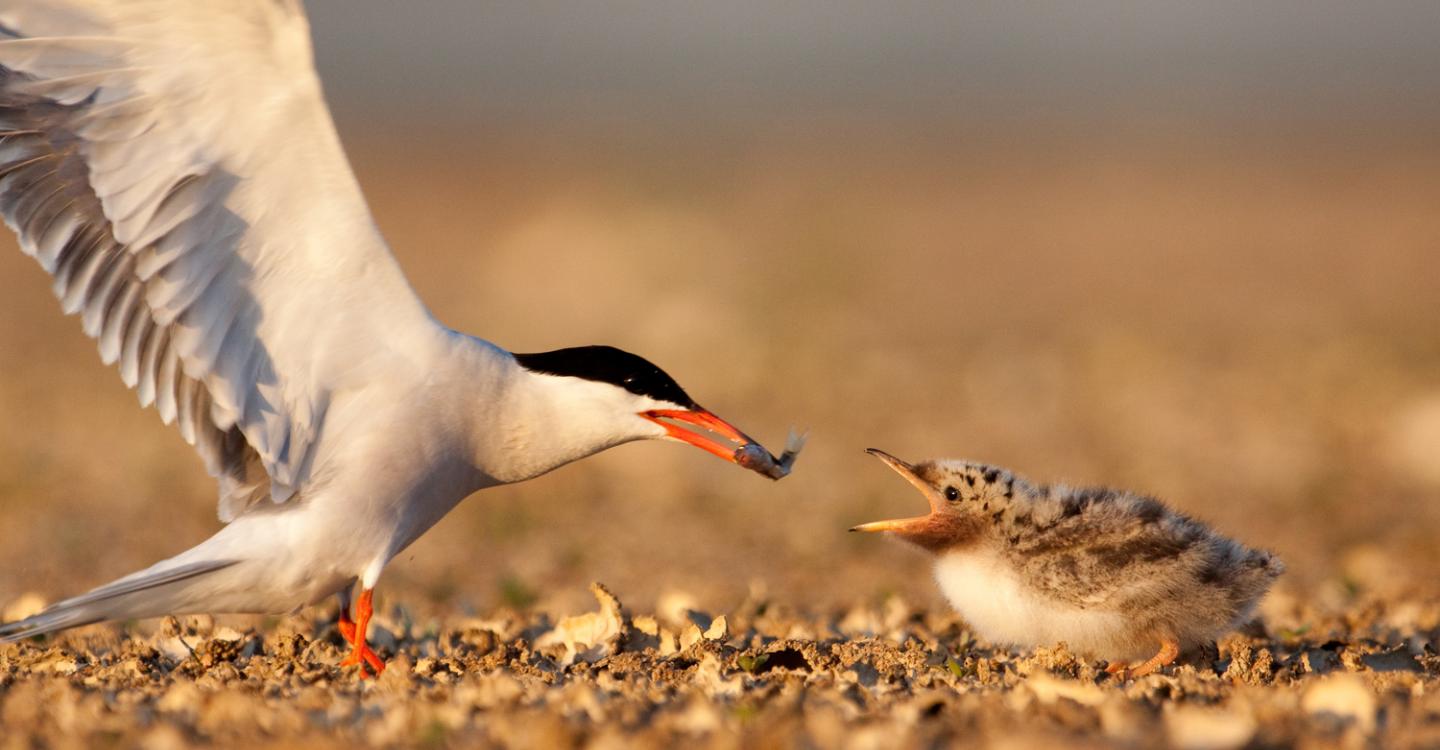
(985, 590)
(204, 151)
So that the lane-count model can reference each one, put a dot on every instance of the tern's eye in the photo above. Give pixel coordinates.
(952, 494)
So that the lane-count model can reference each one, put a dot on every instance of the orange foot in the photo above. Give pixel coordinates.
(1169, 649)
(1111, 668)
(354, 634)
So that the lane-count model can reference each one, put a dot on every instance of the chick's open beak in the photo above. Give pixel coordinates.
(703, 419)
(905, 526)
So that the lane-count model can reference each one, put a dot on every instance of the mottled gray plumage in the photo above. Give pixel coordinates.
(1086, 553)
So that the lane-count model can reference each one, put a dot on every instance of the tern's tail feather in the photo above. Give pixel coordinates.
(151, 592)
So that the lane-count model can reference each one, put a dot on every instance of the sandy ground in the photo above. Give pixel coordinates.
(1241, 323)
(761, 675)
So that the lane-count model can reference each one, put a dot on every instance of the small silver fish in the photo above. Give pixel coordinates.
(756, 458)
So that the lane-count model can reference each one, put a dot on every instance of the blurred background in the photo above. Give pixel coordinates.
(1191, 249)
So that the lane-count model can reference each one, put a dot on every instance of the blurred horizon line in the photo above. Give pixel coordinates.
(691, 61)
(694, 129)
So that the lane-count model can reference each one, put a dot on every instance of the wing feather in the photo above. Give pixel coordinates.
(117, 322)
(174, 168)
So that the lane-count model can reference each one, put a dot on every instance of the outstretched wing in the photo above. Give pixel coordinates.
(172, 164)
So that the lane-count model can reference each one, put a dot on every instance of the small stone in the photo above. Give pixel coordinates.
(22, 606)
(1195, 727)
(1346, 697)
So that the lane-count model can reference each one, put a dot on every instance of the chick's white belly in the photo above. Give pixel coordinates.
(1002, 609)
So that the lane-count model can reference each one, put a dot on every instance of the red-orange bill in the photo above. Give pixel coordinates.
(735, 447)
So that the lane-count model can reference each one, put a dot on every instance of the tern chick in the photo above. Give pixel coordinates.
(1113, 574)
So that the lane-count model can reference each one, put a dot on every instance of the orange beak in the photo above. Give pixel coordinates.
(906, 526)
(703, 419)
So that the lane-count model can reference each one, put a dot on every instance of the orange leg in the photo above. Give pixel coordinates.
(344, 623)
(360, 650)
(1112, 667)
(1169, 649)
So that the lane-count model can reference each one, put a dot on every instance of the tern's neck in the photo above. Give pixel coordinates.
(539, 422)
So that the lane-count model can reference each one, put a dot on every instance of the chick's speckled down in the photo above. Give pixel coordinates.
(1112, 573)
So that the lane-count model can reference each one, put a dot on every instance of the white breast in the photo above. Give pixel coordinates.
(985, 590)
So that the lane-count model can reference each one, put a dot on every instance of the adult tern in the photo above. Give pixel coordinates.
(172, 164)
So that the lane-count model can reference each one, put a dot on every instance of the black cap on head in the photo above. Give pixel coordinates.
(607, 364)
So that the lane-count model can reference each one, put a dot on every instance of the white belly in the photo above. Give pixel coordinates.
(1003, 610)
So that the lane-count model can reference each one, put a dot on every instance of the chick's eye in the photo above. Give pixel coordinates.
(952, 494)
